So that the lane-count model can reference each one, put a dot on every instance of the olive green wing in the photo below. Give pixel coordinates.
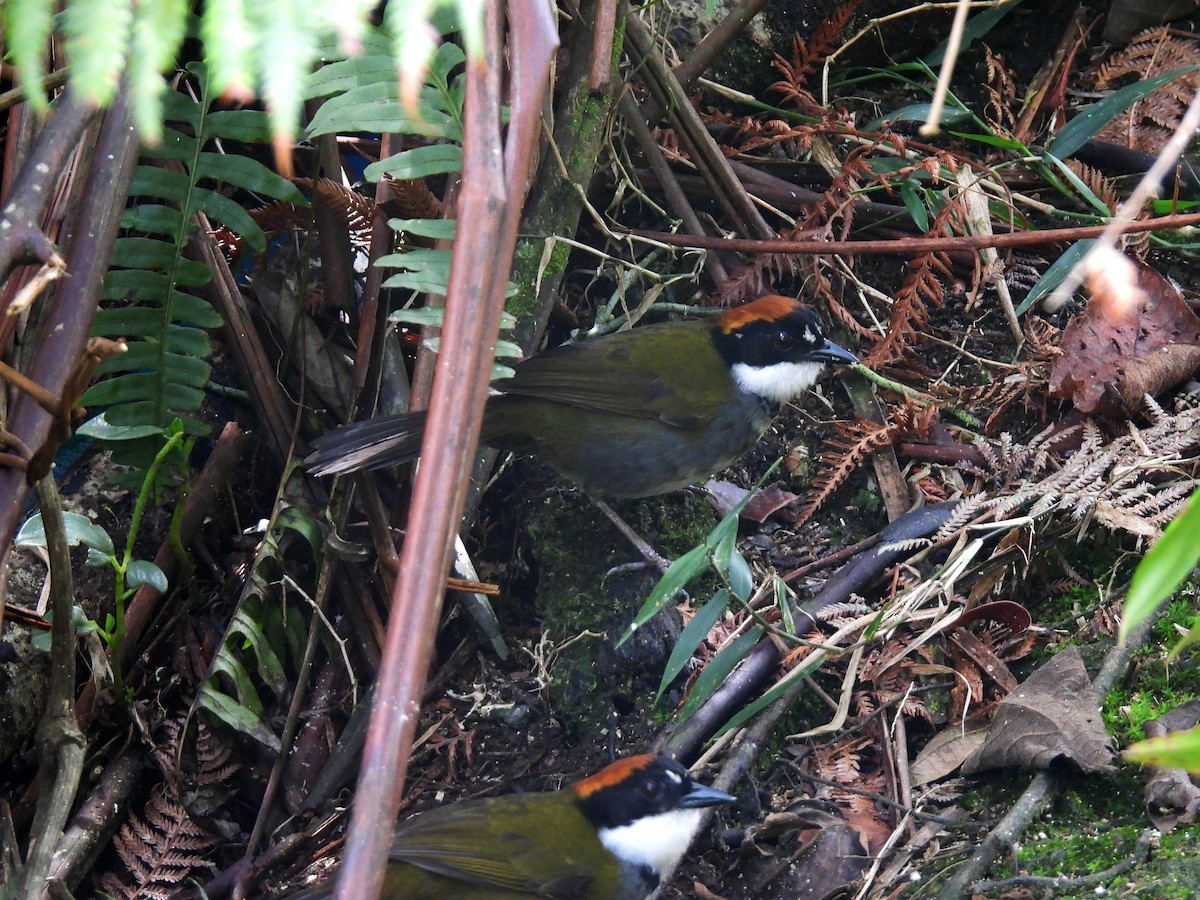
(620, 374)
(465, 843)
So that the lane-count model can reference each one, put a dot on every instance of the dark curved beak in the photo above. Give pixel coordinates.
(832, 353)
(701, 795)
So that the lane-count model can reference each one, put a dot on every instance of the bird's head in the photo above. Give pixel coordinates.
(776, 347)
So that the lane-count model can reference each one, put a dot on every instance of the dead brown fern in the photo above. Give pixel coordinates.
(828, 218)
(924, 285)
(1149, 123)
(356, 209)
(412, 199)
(1001, 92)
(1097, 182)
(1127, 483)
(807, 57)
(1029, 384)
(164, 847)
(853, 443)
(280, 218)
(745, 135)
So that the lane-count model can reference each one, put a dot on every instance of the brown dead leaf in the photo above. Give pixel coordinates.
(1052, 715)
(1137, 336)
(766, 503)
(944, 753)
(1172, 795)
(983, 657)
(833, 858)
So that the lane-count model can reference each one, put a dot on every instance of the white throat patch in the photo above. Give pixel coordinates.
(779, 382)
(655, 841)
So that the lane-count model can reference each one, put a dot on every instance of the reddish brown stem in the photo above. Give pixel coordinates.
(910, 246)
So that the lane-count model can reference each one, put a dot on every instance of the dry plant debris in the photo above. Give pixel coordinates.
(1038, 441)
(1138, 336)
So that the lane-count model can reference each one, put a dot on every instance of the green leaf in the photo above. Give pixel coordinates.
(438, 229)
(1076, 182)
(678, 574)
(250, 126)
(306, 526)
(286, 51)
(422, 282)
(446, 59)
(153, 219)
(268, 666)
(434, 315)
(237, 717)
(919, 112)
(98, 428)
(142, 571)
(229, 212)
(146, 355)
(80, 530)
(807, 667)
(1170, 207)
(1088, 121)
(134, 386)
(138, 320)
(914, 203)
(159, 183)
(425, 259)
(228, 664)
(510, 350)
(993, 140)
(691, 637)
(376, 107)
(977, 26)
(741, 577)
(1172, 559)
(718, 548)
(783, 603)
(1054, 275)
(1180, 750)
(147, 253)
(140, 411)
(718, 670)
(248, 174)
(347, 74)
(436, 159)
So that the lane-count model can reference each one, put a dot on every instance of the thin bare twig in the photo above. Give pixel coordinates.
(919, 245)
(60, 743)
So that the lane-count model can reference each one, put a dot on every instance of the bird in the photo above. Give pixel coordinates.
(611, 836)
(631, 414)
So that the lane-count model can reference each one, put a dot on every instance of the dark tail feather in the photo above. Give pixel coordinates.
(374, 444)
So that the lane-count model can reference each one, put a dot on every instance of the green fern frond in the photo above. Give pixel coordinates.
(363, 95)
(151, 295)
(229, 46)
(97, 40)
(155, 38)
(27, 26)
(254, 667)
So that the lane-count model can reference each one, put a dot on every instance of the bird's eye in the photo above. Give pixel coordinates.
(784, 340)
(653, 789)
